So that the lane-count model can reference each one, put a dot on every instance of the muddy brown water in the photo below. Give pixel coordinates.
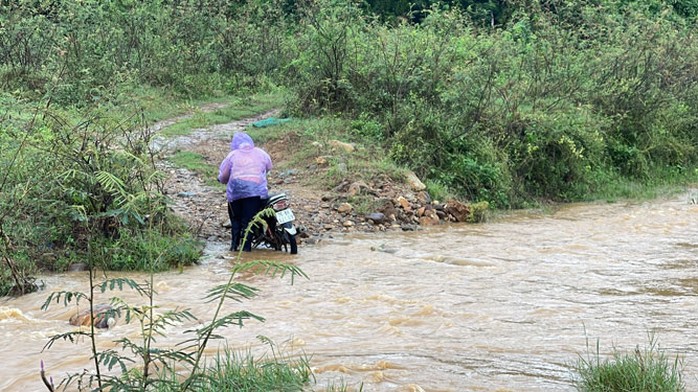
(502, 306)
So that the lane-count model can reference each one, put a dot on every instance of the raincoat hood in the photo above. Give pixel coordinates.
(241, 140)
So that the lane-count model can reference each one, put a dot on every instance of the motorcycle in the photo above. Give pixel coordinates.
(278, 233)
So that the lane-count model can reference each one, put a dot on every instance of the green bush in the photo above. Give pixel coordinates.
(79, 182)
(74, 50)
(647, 370)
(130, 252)
(544, 108)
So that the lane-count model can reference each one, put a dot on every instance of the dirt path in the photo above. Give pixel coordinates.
(320, 213)
(203, 204)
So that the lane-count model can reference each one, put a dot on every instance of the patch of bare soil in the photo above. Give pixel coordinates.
(319, 213)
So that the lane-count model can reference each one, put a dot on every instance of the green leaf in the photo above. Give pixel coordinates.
(70, 336)
(67, 296)
(234, 291)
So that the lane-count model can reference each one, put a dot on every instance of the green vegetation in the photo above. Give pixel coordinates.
(142, 364)
(500, 103)
(647, 370)
(80, 181)
(545, 108)
(235, 373)
(508, 103)
(193, 161)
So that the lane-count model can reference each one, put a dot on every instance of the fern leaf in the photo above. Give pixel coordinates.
(234, 291)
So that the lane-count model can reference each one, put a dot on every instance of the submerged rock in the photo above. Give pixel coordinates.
(104, 317)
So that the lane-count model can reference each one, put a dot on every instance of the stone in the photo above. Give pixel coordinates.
(404, 203)
(104, 317)
(376, 217)
(344, 208)
(424, 198)
(430, 219)
(458, 210)
(346, 147)
(348, 223)
(414, 182)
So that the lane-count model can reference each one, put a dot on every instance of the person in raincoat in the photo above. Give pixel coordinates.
(245, 171)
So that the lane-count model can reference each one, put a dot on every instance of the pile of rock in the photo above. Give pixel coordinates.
(393, 208)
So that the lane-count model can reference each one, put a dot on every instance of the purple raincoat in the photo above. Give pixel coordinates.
(244, 169)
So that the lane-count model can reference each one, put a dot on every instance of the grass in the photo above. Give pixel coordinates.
(660, 183)
(242, 372)
(192, 161)
(648, 370)
(311, 143)
(224, 110)
(233, 372)
(196, 163)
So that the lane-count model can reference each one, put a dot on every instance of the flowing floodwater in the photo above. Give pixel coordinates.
(503, 306)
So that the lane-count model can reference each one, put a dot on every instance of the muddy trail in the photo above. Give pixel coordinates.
(320, 213)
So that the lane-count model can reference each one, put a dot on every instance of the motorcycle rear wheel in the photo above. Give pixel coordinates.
(290, 240)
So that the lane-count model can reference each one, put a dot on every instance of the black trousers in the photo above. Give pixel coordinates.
(241, 212)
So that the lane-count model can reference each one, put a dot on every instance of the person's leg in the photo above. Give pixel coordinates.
(246, 209)
(234, 229)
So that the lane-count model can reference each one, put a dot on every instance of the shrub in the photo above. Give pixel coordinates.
(543, 108)
(648, 370)
(75, 182)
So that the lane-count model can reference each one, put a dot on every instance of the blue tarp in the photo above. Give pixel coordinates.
(267, 122)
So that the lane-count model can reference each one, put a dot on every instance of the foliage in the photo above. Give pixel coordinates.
(324, 48)
(478, 212)
(245, 373)
(143, 365)
(647, 370)
(74, 51)
(495, 13)
(505, 102)
(78, 182)
(548, 108)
